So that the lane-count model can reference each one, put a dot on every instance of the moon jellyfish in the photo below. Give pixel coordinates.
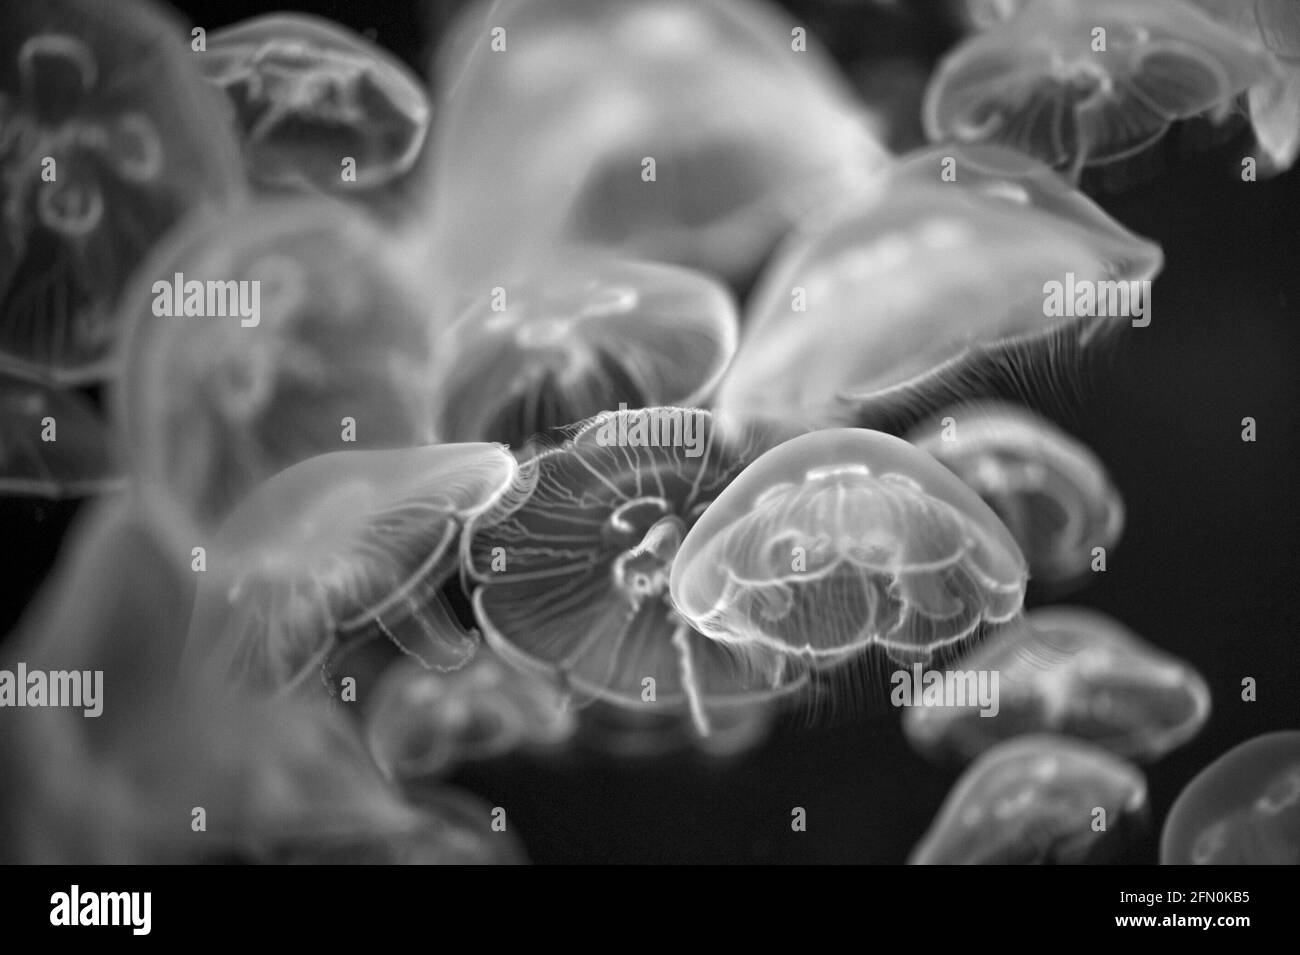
(337, 548)
(1076, 673)
(840, 540)
(1049, 490)
(686, 131)
(1037, 800)
(1086, 84)
(261, 340)
(319, 107)
(573, 574)
(895, 298)
(420, 724)
(52, 442)
(1242, 809)
(577, 337)
(107, 138)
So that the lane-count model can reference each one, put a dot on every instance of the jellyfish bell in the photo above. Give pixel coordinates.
(339, 547)
(840, 540)
(1050, 491)
(109, 139)
(307, 93)
(577, 335)
(1088, 84)
(53, 443)
(1242, 809)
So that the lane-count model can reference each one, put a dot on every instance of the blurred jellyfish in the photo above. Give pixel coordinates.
(577, 337)
(1008, 174)
(1084, 84)
(1049, 490)
(896, 298)
(687, 131)
(420, 724)
(52, 442)
(839, 540)
(1077, 673)
(107, 138)
(573, 576)
(310, 97)
(1242, 809)
(339, 547)
(1037, 800)
(317, 341)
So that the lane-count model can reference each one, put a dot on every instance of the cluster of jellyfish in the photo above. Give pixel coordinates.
(558, 399)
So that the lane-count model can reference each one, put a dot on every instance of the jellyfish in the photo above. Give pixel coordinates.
(572, 572)
(1077, 673)
(1049, 490)
(897, 298)
(692, 132)
(260, 340)
(342, 547)
(1038, 800)
(840, 540)
(108, 138)
(53, 444)
(1086, 84)
(576, 337)
(319, 108)
(1242, 809)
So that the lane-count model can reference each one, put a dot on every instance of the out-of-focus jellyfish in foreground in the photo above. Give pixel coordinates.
(576, 337)
(1038, 800)
(1049, 490)
(319, 107)
(572, 576)
(686, 131)
(1076, 673)
(1084, 84)
(896, 298)
(1242, 809)
(263, 339)
(340, 547)
(840, 540)
(107, 138)
(53, 444)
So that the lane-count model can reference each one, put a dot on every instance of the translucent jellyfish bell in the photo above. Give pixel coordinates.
(893, 298)
(52, 443)
(573, 576)
(1242, 809)
(340, 546)
(686, 131)
(310, 337)
(579, 336)
(1036, 800)
(307, 93)
(1077, 673)
(1082, 84)
(1049, 490)
(839, 540)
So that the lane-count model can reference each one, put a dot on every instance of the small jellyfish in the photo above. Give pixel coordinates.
(839, 540)
(577, 337)
(1049, 490)
(1086, 84)
(310, 95)
(693, 132)
(53, 444)
(898, 297)
(263, 339)
(572, 576)
(1038, 800)
(1076, 673)
(1242, 809)
(341, 547)
(108, 137)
